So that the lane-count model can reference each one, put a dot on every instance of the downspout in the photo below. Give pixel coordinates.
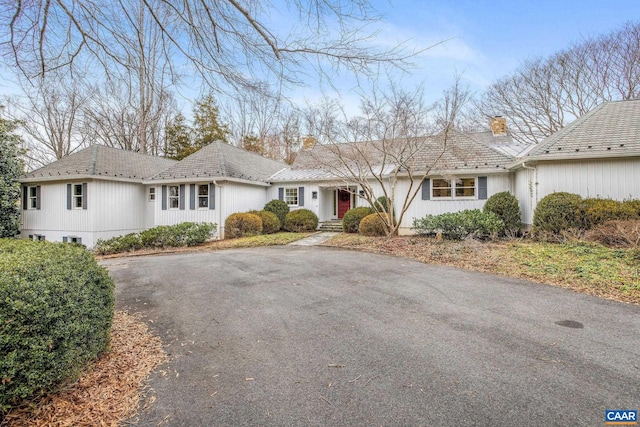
(216, 185)
(533, 189)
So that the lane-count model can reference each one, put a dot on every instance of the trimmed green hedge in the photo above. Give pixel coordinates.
(56, 310)
(279, 208)
(459, 225)
(301, 220)
(505, 206)
(352, 218)
(163, 236)
(557, 212)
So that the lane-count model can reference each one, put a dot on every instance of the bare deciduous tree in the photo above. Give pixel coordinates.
(398, 138)
(51, 116)
(228, 42)
(544, 94)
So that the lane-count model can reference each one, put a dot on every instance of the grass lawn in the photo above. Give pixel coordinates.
(583, 267)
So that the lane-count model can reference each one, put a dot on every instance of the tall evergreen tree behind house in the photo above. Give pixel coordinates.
(206, 123)
(11, 167)
(178, 140)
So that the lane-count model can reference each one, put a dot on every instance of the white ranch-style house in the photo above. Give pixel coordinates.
(101, 192)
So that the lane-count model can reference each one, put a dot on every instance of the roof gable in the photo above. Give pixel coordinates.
(101, 161)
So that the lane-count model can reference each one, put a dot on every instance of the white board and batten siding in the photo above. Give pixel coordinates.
(617, 179)
(111, 209)
(306, 201)
(424, 204)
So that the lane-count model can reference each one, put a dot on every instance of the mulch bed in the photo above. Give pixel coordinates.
(109, 390)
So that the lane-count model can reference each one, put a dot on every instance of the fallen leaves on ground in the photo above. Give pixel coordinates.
(582, 267)
(108, 391)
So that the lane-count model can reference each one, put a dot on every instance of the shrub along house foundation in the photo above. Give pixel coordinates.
(103, 192)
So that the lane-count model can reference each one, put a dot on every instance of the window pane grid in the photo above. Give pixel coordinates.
(203, 196)
(460, 187)
(291, 196)
(174, 193)
(77, 196)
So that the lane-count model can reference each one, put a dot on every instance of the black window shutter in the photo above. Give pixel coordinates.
(426, 189)
(212, 196)
(38, 197)
(69, 196)
(281, 193)
(65, 239)
(192, 196)
(164, 197)
(25, 197)
(482, 188)
(84, 195)
(300, 196)
(182, 197)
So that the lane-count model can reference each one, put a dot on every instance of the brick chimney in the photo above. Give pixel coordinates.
(498, 125)
(308, 142)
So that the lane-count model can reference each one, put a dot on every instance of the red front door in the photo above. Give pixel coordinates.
(344, 202)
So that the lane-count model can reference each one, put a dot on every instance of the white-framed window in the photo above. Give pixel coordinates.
(173, 197)
(291, 196)
(152, 194)
(38, 237)
(33, 198)
(457, 188)
(72, 239)
(203, 196)
(76, 196)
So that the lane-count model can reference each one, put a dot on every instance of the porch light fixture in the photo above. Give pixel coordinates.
(314, 195)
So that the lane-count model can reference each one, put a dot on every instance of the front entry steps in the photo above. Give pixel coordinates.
(332, 226)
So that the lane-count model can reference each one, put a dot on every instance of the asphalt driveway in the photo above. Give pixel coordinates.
(293, 336)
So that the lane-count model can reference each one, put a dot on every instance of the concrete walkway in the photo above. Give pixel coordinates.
(314, 239)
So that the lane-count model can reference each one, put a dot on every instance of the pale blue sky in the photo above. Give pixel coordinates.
(489, 39)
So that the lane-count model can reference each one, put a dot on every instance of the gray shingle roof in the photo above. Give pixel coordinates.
(222, 160)
(465, 152)
(101, 161)
(610, 130)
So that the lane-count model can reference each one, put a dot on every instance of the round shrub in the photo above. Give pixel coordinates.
(372, 225)
(241, 225)
(270, 222)
(301, 220)
(558, 212)
(352, 218)
(56, 311)
(505, 206)
(599, 211)
(279, 208)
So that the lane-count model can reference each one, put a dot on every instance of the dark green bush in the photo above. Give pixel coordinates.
(241, 225)
(559, 212)
(459, 225)
(301, 220)
(373, 225)
(279, 208)
(505, 206)
(270, 222)
(382, 204)
(56, 310)
(352, 218)
(163, 236)
(602, 210)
